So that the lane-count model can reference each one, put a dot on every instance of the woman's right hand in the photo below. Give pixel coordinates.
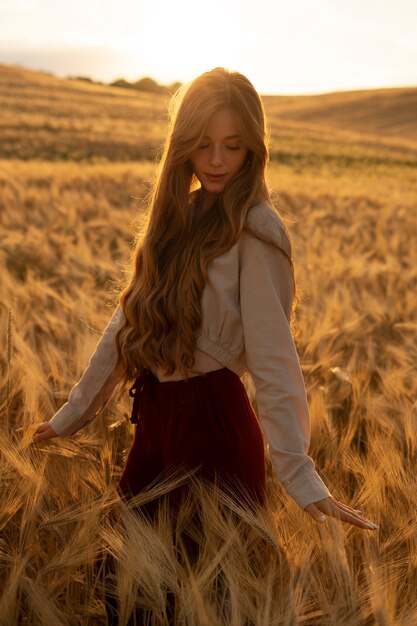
(43, 431)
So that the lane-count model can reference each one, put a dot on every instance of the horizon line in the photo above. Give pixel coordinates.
(88, 78)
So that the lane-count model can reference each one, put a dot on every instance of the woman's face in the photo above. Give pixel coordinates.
(220, 154)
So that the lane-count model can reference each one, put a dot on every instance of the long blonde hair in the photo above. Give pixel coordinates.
(173, 248)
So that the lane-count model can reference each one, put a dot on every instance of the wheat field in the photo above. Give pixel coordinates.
(344, 178)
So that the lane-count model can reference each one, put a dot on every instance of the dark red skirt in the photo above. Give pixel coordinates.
(206, 423)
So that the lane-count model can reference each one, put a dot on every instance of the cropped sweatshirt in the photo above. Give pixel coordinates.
(246, 305)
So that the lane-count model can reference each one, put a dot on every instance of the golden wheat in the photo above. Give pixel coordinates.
(67, 543)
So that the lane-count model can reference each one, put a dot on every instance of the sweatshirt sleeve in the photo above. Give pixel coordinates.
(96, 385)
(266, 290)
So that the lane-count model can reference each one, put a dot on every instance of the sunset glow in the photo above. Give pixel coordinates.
(295, 46)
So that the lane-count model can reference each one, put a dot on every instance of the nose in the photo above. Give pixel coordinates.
(216, 157)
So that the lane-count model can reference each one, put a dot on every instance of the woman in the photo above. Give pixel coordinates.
(210, 296)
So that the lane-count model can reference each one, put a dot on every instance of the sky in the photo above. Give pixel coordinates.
(283, 46)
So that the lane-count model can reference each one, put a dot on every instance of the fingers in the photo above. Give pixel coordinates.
(40, 433)
(348, 508)
(343, 512)
(44, 431)
(42, 427)
(355, 519)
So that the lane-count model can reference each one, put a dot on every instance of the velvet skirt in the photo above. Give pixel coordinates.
(206, 423)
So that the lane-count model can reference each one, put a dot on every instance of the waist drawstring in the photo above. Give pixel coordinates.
(142, 388)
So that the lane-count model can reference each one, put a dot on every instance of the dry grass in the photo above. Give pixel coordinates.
(65, 538)
(48, 118)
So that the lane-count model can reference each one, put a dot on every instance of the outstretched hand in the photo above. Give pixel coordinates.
(333, 508)
(43, 431)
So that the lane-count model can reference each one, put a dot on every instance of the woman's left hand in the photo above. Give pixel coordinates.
(334, 508)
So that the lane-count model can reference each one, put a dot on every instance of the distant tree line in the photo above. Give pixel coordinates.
(144, 84)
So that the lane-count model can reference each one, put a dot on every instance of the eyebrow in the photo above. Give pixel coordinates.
(229, 137)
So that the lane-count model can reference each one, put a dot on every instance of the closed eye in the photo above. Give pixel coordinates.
(228, 147)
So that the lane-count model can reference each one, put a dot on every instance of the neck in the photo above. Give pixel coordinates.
(205, 200)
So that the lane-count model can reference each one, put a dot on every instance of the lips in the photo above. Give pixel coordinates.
(215, 177)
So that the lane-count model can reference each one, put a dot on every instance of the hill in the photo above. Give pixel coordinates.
(50, 118)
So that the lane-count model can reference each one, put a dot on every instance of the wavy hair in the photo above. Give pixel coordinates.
(173, 248)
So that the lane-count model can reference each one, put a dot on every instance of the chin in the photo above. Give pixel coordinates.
(215, 187)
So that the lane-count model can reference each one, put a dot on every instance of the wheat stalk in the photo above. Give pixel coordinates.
(9, 359)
